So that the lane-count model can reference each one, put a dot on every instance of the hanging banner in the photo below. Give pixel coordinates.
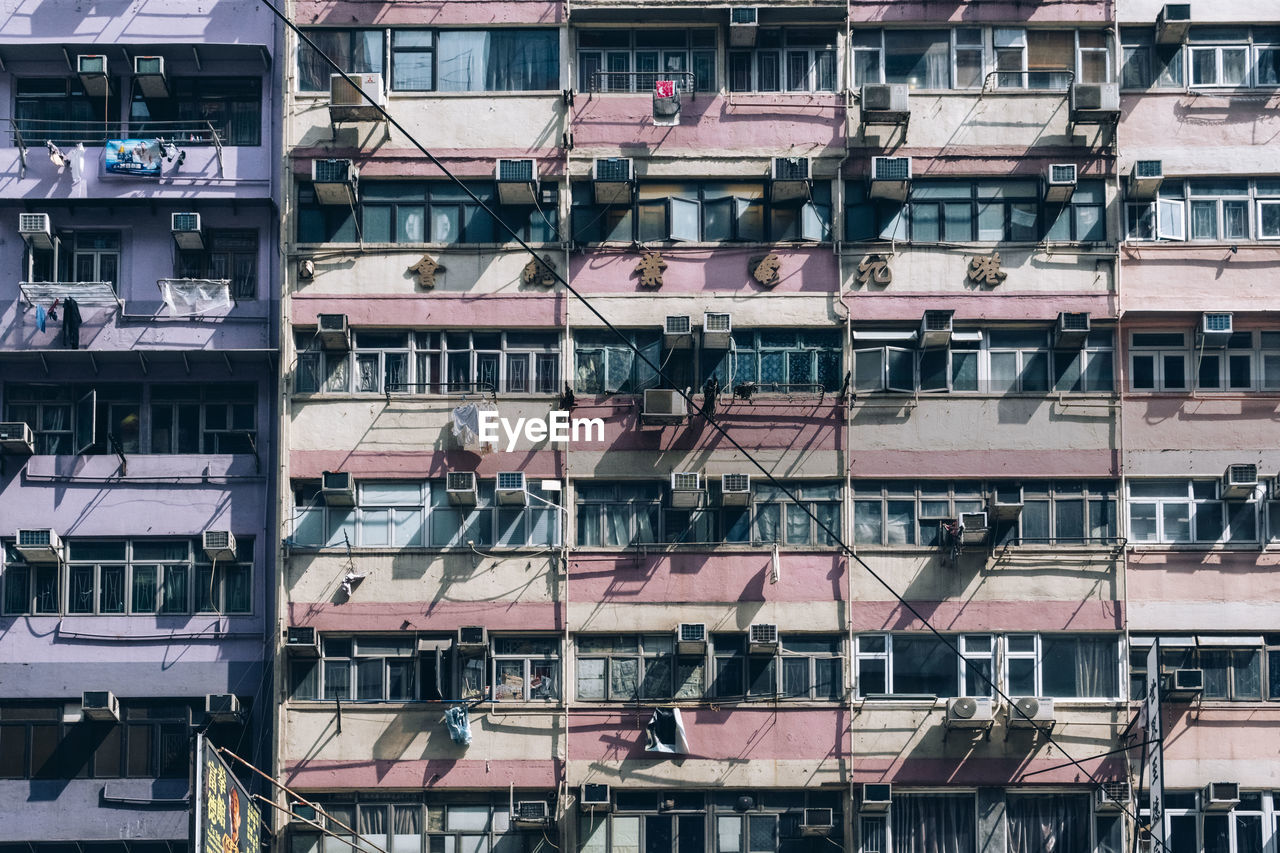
(224, 818)
(139, 158)
(1154, 731)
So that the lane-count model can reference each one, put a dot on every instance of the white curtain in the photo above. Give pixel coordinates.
(934, 823)
(1048, 823)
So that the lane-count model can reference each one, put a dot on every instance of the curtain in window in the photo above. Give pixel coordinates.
(618, 363)
(934, 823)
(616, 528)
(498, 60)
(1048, 824)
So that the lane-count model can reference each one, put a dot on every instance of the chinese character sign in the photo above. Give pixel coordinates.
(1155, 747)
(140, 158)
(225, 819)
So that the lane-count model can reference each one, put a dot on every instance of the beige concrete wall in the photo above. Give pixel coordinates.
(771, 309)
(885, 422)
(594, 617)
(1003, 121)
(1030, 270)
(1198, 277)
(1233, 11)
(382, 269)
(416, 577)
(790, 463)
(1200, 133)
(1026, 574)
(755, 773)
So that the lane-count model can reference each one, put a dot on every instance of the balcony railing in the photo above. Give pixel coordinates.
(87, 294)
(27, 133)
(640, 81)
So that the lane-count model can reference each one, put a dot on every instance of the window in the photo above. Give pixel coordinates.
(414, 514)
(790, 60)
(57, 109)
(80, 256)
(627, 667)
(809, 666)
(1235, 668)
(1219, 65)
(910, 512)
(1191, 825)
(204, 418)
(79, 419)
(620, 514)
(1162, 361)
(229, 255)
(355, 51)
(1216, 210)
(626, 60)
(362, 669)
(1068, 666)
(402, 823)
(135, 577)
(924, 823)
(387, 362)
(1148, 65)
(417, 212)
(1188, 512)
(525, 669)
(706, 212)
(1061, 512)
(962, 58)
(230, 107)
(951, 211)
(1065, 818)
(785, 360)
(999, 361)
(603, 364)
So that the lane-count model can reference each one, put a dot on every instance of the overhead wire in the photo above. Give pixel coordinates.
(709, 418)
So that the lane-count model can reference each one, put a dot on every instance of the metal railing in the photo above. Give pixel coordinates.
(484, 389)
(26, 133)
(1048, 80)
(641, 81)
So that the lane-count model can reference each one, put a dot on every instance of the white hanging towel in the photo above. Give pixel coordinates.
(466, 424)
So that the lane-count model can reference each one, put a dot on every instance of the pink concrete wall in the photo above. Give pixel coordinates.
(1183, 120)
(705, 578)
(420, 773)
(423, 463)
(1092, 615)
(806, 424)
(427, 13)
(969, 770)
(1175, 421)
(425, 615)
(1221, 577)
(720, 270)
(992, 305)
(1182, 277)
(920, 11)
(960, 464)
(1218, 733)
(741, 733)
(713, 123)
(435, 310)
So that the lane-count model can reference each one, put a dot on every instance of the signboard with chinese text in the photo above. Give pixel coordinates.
(225, 818)
(1154, 736)
(139, 158)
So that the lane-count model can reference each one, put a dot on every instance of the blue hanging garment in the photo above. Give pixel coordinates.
(459, 724)
(41, 316)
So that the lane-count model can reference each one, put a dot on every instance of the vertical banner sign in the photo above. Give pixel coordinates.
(225, 820)
(1155, 748)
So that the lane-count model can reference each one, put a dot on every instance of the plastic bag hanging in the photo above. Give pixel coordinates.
(665, 732)
(459, 724)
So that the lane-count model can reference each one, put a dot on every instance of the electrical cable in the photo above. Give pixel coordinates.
(1046, 732)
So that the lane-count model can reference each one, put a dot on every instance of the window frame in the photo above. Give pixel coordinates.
(1162, 505)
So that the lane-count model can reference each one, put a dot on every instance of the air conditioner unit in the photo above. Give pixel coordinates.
(1184, 685)
(100, 705)
(517, 181)
(473, 637)
(664, 405)
(186, 230)
(1072, 330)
(876, 797)
(301, 814)
(1005, 503)
(935, 328)
(691, 638)
(1060, 183)
(36, 230)
(735, 489)
(1216, 329)
(1145, 179)
(337, 488)
(1240, 481)
(687, 489)
(890, 177)
(333, 331)
(1095, 103)
(302, 640)
(885, 103)
(348, 102)
(531, 813)
(612, 179)
(762, 639)
(975, 527)
(717, 331)
(789, 179)
(222, 707)
(460, 486)
(511, 488)
(969, 712)
(1173, 23)
(92, 70)
(677, 332)
(1220, 797)
(38, 545)
(219, 544)
(1112, 797)
(17, 437)
(335, 181)
(1038, 708)
(593, 794)
(148, 73)
(744, 22)
(817, 821)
